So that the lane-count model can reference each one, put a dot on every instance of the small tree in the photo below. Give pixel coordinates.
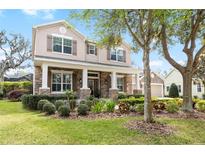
(173, 91)
(14, 51)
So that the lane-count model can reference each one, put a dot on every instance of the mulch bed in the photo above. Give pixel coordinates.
(183, 115)
(94, 116)
(155, 128)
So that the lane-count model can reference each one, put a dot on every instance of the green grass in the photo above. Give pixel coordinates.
(19, 126)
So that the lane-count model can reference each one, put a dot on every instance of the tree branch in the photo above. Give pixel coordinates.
(166, 52)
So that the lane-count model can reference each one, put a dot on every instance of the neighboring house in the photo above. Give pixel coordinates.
(28, 77)
(65, 60)
(157, 85)
(175, 77)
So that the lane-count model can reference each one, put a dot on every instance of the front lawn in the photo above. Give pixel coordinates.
(19, 126)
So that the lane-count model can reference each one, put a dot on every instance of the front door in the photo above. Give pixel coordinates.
(94, 87)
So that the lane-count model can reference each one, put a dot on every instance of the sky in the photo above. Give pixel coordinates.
(21, 21)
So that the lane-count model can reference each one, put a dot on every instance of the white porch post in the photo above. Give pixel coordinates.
(85, 78)
(138, 81)
(44, 76)
(114, 80)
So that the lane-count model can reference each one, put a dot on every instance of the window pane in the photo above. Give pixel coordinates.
(67, 42)
(67, 50)
(57, 44)
(56, 78)
(66, 78)
(120, 84)
(56, 87)
(66, 87)
(120, 55)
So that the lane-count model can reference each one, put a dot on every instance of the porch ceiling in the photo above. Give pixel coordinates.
(38, 61)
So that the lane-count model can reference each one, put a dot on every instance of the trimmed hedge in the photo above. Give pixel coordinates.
(132, 100)
(200, 105)
(31, 101)
(9, 86)
(49, 108)
(64, 110)
(124, 95)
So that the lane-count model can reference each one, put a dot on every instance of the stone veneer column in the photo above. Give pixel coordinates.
(113, 91)
(44, 89)
(104, 84)
(128, 84)
(84, 91)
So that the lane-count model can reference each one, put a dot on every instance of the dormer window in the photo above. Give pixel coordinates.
(62, 45)
(117, 55)
(92, 49)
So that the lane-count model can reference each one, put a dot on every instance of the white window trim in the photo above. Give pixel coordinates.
(92, 77)
(116, 51)
(62, 44)
(61, 72)
(90, 49)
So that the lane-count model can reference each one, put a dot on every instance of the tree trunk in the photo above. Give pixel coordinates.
(1, 80)
(187, 92)
(147, 88)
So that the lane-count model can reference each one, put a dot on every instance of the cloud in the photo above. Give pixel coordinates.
(155, 63)
(44, 14)
(181, 62)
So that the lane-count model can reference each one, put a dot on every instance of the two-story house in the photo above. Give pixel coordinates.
(65, 60)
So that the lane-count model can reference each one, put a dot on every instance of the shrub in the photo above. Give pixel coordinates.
(122, 95)
(49, 108)
(31, 101)
(159, 106)
(82, 109)
(172, 107)
(64, 110)
(132, 101)
(41, 103)
(110, 106)
(59, 103)
(200, 105)
(70, 94)
(9, 86)
(72, 104)
(1, 95)
(98, 107)
(140, 108)
(123, 107)
(203, 96)
(173, 92)
(15, 95)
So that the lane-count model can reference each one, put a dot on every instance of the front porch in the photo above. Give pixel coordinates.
(51, 78)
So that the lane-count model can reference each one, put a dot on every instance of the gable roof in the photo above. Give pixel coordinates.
(64, 22)
(156, 79)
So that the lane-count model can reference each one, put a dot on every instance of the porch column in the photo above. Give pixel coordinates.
(113, 91)
(44, 76)
(114, 80)
(44, 89)
(85, 78)
(84, 91)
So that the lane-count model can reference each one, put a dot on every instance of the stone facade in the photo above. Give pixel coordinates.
(105, 84)
(44, 91)
(128, 84)
(77, 81)
(137, 92)
(113, 94)
(38, 79)
(84, 93)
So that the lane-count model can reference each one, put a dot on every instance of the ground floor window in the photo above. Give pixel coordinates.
(198, 87)
(120, 83)
(61, 81)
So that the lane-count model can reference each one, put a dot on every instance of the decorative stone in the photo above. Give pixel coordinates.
(113, 93)
(105, 84)
(128, 84)
(44, 91)
(84, 93)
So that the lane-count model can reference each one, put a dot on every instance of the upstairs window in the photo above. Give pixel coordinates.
(117, 55)
(92, 49)
(62, 45)
(67, 46)
(57, 44)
